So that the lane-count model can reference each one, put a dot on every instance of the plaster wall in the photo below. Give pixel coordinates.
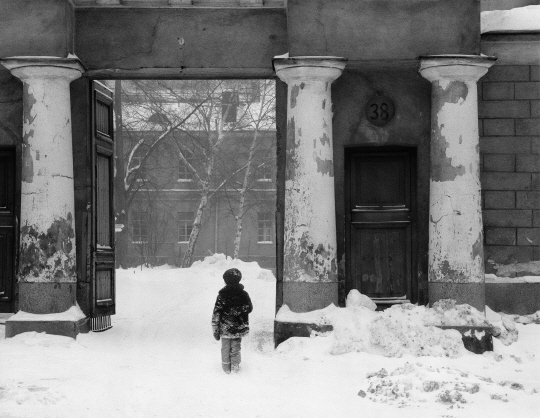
(36, 27)
(409, 127)
(146, 41)
(367, 30)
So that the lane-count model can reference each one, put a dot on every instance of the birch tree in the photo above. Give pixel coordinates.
(260, 117)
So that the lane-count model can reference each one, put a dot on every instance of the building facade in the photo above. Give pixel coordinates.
(407, 143)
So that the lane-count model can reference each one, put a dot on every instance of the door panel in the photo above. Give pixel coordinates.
(7, 228)
(380, 224)
(103, 286)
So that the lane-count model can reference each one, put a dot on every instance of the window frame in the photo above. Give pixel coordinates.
(140, 220)
(187, 226)
(264, 225)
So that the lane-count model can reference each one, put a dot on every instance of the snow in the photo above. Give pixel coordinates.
(492, 278)
(160, 360)
(72, 314)
(514, 20)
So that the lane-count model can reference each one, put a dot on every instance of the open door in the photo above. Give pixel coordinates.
(380, 221)
(7, 228)
(102, 234)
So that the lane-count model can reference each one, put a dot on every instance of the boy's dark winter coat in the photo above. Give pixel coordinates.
(230, 316)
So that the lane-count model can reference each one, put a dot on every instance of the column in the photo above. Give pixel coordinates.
(310, 266)
(46, 275)
(456, 250)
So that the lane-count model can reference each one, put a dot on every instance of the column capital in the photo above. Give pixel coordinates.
(39, 67)
(465, 68)
(312, 68)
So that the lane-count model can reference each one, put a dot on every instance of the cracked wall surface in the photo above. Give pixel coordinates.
(310, 233)
(455, 225)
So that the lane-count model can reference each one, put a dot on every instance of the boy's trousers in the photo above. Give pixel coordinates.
(230, 353)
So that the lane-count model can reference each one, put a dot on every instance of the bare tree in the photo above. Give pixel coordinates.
(261, 119)
(198, 121)
(141, 129)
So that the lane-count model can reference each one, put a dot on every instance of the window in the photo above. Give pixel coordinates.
(185, 225)
(265, 227)
(137, 161)
(139, 227)
(229, 106)
(264, 172)
(184, 173)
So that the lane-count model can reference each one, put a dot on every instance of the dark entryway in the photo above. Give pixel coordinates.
(7, 228)
(380, 185)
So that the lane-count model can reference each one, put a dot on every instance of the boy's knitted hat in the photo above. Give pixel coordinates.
(232, 276)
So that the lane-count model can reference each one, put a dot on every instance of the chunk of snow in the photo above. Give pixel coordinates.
(355, 298)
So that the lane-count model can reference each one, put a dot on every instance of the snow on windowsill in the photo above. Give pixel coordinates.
(72, 314)
(519, 19)
(265, 242)
(491, 278)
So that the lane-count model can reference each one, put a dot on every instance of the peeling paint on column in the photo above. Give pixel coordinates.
(324, 139)
(290, 151)
(48, 256)
(47, 236)
(325, 166)
(456, 253)
(442, 168)
(310, 262)
(309, 253)
(294, 94)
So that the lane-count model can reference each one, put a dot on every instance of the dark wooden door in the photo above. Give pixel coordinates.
(103, 277)
(379, 220)
(7, 228)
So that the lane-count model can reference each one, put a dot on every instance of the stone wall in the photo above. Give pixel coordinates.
(509, 123)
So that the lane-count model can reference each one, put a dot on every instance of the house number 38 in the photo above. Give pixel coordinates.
(380, 110)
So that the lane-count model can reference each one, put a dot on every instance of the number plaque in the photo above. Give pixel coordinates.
(380, 110)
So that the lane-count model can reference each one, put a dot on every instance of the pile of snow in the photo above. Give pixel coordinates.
(514, 20)
(402, 329)
(395, 332)
(416, 383)
(218, 263)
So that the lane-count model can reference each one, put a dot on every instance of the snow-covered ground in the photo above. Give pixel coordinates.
(160, 360)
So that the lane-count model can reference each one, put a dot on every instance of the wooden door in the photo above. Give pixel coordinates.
(7, 228)
(102, 235)
(380, 214)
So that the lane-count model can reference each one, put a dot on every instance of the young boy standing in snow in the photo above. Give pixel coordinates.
(230, 319)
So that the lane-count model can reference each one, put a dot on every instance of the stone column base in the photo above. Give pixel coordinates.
(285, 330)
(477, 340)
(308, 296)
(513, 298)
(46, 298)
(65, 328)
(473, 294)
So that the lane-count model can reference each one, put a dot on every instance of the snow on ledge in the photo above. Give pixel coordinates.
(73, 314)
(519, 19)
(318, 317)
(492, 278)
